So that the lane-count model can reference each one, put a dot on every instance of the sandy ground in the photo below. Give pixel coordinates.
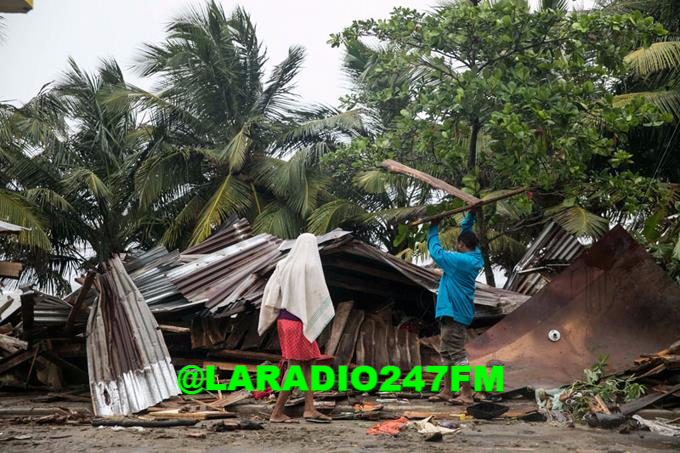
(338, 436)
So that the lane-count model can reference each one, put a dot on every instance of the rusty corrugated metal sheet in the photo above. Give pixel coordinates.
(614, 299)
(553, 250)
(128, 361)
(230, 234)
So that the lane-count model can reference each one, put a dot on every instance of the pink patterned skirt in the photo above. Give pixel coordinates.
(294, 344)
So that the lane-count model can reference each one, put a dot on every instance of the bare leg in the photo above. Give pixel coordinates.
(445, 392)
(310, 411)
(277, 415)
(466, 390)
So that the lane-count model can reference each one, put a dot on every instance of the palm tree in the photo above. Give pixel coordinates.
(226, 141)
(76, 148)
(370, 202)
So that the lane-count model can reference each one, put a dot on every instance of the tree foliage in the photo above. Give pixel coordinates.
(502, 96)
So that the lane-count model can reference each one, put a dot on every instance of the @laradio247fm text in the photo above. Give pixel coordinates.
(194, 379)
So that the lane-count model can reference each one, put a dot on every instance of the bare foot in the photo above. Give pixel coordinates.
(316, 414)
(442, 396)
(281, 419)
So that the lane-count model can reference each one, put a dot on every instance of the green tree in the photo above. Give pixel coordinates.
(370, 202)
(655, 77)
(228, 140)
(506, 96)
(75, 150)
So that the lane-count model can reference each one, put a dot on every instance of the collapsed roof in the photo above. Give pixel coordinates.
(613, 299)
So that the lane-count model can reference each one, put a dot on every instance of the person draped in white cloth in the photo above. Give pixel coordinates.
(297, 298)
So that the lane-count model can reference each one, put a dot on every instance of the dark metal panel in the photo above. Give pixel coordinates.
(614, 299)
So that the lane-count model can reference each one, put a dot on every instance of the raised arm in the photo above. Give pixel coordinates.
(445, 259)
(468, 222)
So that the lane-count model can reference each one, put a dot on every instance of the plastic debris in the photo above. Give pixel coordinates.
(389, 426)
(660, 426)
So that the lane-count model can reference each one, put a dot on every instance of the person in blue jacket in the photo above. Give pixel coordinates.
(455, 299)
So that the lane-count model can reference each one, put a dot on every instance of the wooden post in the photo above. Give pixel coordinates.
(77, 305)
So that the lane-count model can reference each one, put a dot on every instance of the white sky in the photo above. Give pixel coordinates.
(37, 44)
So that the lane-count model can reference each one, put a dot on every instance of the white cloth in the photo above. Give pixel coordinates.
(298, 286)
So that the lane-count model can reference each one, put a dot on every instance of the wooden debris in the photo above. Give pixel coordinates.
(78, 304)
(230, 399)
(342, 312)
(431, 180)
(174, 329)
(198, 415)
(348, 339)
(11, 344)
(472, 202)
(145, 423)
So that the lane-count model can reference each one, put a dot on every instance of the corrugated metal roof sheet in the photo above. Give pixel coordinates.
(553, 250)
(128, 361)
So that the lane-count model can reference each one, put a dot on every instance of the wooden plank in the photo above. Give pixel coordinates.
(229, 366)
(174, 329)
(348, 340)
(12, 361)
(365, 350)
(380, 353)
(255, 356)
(10, 269)
(647, 400)
(232, 398)
(414, 349)
(252, 339)
(127, 422)
(11, 344)
(78, 304)
(238, 333)
(392, 348)
(485, 201)
(27, 313)
(431, 180)
(342, 312)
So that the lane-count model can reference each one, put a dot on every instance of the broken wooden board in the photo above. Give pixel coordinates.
(431, 180)
(502, 195)
(348, 340)
(471, 201)
(232, 398)
(342, 312)
(10, 269)
(198, 415)
(365, 343)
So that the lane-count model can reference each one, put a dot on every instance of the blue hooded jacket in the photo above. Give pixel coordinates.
(456, 294)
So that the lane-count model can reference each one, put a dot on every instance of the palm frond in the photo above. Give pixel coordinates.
(230, 197)
(579, 221)
(666, 100)
(333, 214)
(372, 181)
(48, 199)
(16, 210)
(280, 220)
(236, 151)
(558, 5)
(295, 182)
(82, 178)
(659, 56)
(277, 96)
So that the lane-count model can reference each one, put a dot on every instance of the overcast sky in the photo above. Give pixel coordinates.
(37, 44)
